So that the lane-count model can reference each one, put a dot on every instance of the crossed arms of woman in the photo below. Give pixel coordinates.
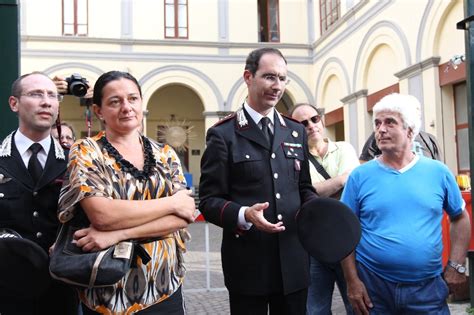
(114, 219)
(133, 219)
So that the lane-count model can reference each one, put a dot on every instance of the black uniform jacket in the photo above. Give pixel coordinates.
(239, 168)
(30, 209)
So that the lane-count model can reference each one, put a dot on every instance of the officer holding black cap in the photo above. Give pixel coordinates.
(254, 178)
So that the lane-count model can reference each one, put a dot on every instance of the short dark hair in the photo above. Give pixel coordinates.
(108, 77)
(319, 111)
(17, 89)
(253, 59)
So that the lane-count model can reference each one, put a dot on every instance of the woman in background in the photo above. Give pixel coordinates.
(67, 134)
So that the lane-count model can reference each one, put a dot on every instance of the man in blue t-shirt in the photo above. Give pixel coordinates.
(399, 199)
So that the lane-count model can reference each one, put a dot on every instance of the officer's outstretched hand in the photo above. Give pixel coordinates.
(254, 214)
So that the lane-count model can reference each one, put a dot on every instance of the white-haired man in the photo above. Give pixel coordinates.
(424, 143)
(399, 198)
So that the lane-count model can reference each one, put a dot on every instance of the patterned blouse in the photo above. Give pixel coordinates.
(94, 171)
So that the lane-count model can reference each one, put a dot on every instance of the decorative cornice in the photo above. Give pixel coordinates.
(158, 42)
(354, 96)
(141, 56)
(417, 68)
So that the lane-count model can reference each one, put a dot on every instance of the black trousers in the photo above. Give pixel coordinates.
(59, 299)
(290, 304)
(174, 305)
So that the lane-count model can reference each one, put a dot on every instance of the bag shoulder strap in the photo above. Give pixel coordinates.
(318, 166)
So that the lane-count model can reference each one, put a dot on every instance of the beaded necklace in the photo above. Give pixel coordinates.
(126, 166)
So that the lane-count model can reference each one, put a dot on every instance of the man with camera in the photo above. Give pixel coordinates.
(74, 85)
(32, 166)
(78, 86)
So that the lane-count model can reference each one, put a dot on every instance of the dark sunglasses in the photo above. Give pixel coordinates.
(315, 119)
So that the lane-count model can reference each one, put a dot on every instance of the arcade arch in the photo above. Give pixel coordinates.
(178, 105)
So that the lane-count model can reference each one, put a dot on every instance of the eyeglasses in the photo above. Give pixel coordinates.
(315, 119)
(273, 78)
(69, 138)
(40, 96)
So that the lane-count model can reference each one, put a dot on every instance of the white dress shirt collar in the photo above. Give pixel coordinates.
(23, 144)
(256, 116)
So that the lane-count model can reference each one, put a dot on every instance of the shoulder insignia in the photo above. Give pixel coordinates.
(223, 120)
(290, 118)
(58, 150)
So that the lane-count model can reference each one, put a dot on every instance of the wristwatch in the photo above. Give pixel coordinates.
(458, 267)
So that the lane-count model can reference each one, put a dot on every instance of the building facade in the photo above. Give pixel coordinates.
(189, 55)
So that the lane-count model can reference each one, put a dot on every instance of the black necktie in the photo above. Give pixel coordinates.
(265, 121)
(34, 165)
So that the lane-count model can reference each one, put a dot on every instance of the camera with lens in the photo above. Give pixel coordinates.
(77, 85)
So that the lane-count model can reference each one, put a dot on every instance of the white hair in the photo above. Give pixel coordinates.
(407, 106)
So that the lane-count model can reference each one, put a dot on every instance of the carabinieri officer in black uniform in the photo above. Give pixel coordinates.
(254, 178)
(32, 165)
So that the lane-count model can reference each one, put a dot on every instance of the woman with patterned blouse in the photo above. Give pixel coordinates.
(129, 187)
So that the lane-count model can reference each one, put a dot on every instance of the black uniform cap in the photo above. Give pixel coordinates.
(327, 229)
(24, 266)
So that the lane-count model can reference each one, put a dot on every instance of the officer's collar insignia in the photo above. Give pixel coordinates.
(241, 119)
(280, 117)
(6, 148)
(294, 133)
(58, 150)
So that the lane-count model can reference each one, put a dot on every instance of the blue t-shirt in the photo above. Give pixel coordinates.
(400, 214)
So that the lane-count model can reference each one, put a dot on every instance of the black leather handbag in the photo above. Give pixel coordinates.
(68, 263)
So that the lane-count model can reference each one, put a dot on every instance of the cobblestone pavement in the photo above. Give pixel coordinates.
(205, 293)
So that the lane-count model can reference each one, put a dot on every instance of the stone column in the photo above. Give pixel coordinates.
(357, 121)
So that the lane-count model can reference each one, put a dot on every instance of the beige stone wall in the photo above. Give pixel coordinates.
(373, 45)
